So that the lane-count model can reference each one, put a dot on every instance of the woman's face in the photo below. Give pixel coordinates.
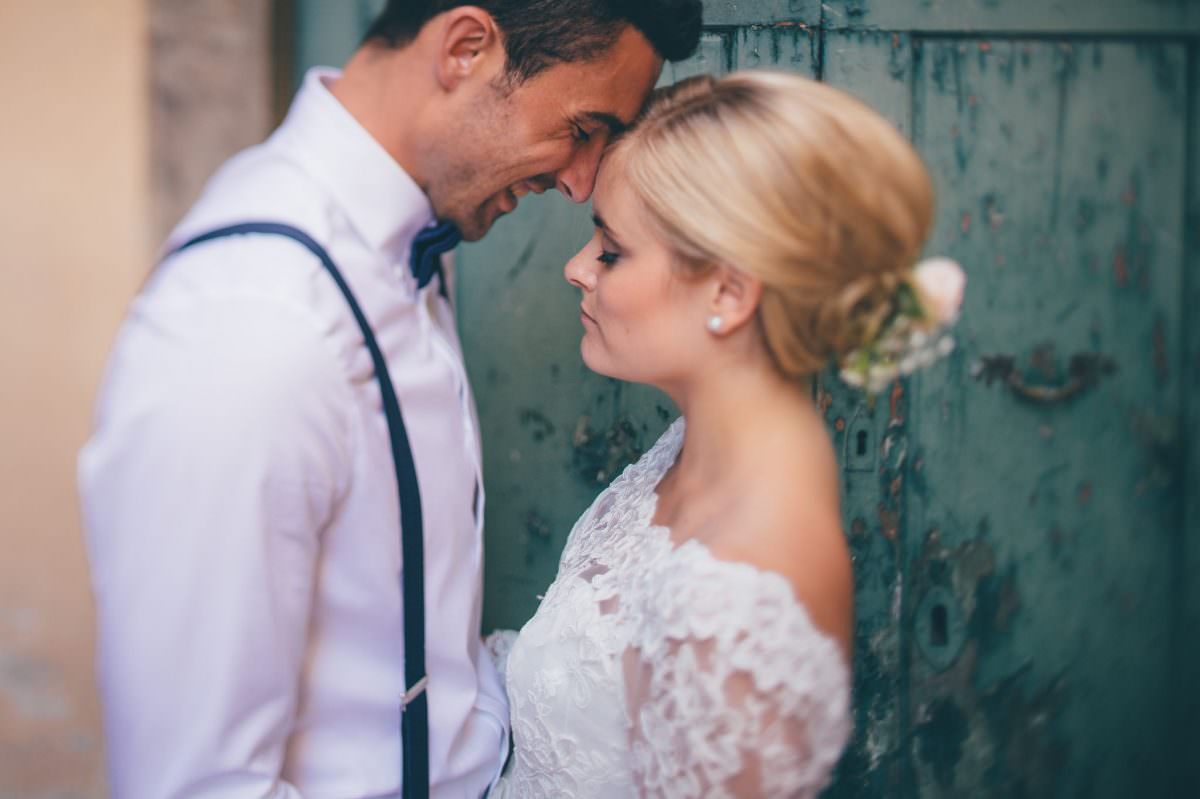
(642, 321)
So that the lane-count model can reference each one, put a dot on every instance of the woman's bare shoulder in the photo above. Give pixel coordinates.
(788, 521)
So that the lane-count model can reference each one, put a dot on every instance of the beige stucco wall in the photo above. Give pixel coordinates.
(103, 142)
(73, 244)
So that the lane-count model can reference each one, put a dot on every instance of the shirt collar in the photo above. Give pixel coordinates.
(382, 201)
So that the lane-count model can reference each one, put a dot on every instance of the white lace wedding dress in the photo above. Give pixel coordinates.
(661, 671)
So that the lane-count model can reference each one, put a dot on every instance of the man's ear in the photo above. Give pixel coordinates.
(735, 297)
(466, 39)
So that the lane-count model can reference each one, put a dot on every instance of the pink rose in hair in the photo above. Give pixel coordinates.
(940, 282)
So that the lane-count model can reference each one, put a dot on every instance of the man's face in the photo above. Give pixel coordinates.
(548, 132)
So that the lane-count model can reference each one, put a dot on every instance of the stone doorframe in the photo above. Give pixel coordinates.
(220, 81)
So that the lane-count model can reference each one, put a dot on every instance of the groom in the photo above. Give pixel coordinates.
(239, 491)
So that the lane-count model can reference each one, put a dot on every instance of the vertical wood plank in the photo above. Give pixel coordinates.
(1186, 591)
(871, 442)
(1044, 529)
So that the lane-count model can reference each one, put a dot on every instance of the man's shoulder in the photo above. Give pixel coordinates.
(239, 335)
(258, 184)
(262, 295)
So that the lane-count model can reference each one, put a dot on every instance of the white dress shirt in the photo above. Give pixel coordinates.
(240, 500)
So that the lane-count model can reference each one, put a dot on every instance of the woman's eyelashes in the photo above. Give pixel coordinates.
(609, 251)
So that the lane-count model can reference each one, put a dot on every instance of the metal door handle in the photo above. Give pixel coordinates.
(1084, 371)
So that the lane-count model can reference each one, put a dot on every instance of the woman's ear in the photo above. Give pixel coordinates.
(466, 40)
(734, 299)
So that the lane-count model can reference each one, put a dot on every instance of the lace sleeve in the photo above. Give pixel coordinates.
(731, 690)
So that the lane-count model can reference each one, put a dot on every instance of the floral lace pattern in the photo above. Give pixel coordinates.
(662, 671)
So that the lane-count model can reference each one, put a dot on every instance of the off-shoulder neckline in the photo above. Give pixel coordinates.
(657, 461)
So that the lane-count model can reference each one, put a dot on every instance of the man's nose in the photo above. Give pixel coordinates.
(576, 180)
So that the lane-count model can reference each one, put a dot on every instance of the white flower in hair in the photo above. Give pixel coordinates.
(941, 283)
(914, 335)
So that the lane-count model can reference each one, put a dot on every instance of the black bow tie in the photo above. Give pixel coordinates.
(427, 250)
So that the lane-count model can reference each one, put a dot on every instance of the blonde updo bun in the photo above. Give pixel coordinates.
(793, 182)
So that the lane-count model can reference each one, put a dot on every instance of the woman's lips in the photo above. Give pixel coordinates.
(585, 316)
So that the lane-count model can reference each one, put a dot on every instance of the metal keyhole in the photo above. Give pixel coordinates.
(858, 453)
(939, 628)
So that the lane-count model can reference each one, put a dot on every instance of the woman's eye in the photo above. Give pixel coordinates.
(581, 135)
(607, 257)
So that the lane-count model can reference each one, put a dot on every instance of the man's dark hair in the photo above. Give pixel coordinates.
(541, 33)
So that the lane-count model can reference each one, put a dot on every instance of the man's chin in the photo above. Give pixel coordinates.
(475, 224)
(476, 228)
(479, 223)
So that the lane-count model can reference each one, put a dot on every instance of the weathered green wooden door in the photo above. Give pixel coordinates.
(1024, 516)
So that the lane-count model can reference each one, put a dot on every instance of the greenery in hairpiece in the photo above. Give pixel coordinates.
(916, 332)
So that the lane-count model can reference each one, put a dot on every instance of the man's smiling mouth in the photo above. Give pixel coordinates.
(510, 196)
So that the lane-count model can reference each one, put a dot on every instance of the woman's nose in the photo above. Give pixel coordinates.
(579, 273)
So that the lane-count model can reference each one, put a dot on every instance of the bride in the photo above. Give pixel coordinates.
(696, 642)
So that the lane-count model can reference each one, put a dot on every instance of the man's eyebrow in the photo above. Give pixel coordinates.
(616, 126)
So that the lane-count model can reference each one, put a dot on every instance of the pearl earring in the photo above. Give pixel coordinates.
(715, 323)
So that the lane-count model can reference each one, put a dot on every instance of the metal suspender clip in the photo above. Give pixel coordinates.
(415, 691)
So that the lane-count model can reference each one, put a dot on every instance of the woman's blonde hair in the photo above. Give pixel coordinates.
(793, 182)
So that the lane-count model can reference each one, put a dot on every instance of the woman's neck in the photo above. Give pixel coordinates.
(732, 413)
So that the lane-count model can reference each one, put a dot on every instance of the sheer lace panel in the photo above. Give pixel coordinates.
(731, 689)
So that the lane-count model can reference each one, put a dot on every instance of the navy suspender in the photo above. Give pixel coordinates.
(414, 719)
